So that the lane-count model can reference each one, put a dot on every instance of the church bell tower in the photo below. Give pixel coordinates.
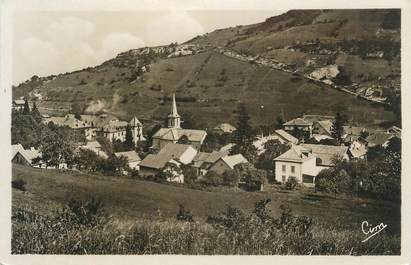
(173, 119)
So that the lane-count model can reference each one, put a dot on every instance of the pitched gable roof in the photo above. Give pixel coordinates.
(174, 134)
(131, 156)
(326, 152)
(286, 136)
(208, 158)
(295, 154)
(234, 160)
(378, 138)
(167, 153)
(298, 122)
(225, 127)
(326, 125)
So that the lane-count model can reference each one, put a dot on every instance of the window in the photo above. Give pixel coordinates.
(284, 178)
(292, 169)
(283, 168)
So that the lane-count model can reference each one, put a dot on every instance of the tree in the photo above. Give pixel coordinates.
(213, 179)
(273, 148)
(190, 174)
(253, 178)
(26, 108)
(88, 160)
(279, 122)
(129, 143)
(76, 109)
(36, 113)
(337, 129)
(56, 147)
(113, 165)
(244, 136)
(394, 145)
(231, 178)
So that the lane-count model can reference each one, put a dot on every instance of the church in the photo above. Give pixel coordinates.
(175, 134)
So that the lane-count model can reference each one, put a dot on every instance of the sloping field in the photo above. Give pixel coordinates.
(128, 199)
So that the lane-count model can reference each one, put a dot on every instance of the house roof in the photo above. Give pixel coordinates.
(358, 151)
(208, 158)
(68, 120)
(28, 154)
(285, 135)
(378, 138)
(326, 125)
(234, 160)
(115, 126)
(326, 152)
(319, 137)
(298, 122)
(296, 153)
(19, 101)
(93, 144)
(16, 148)
(227, 147)
(131, 156)
(175, 134)
(314, 117)
(225, 127)
(168, 152)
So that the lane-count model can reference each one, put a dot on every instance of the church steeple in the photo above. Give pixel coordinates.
(173, 119)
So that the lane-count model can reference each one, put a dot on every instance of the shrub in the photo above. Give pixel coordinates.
(212, 179)
(184, 215)
(291, 183)
(87, 213)
(231, 178)
(18, 184)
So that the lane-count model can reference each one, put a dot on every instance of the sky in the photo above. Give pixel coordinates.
(52, 42)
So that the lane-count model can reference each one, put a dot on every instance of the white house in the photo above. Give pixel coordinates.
(297, 162)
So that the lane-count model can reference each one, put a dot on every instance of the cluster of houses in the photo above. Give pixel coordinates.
(174, 147)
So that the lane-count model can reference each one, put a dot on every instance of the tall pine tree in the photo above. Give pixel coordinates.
(129, 143)
(337, 129)
(244, 136)
(26, 108)
(35, 113)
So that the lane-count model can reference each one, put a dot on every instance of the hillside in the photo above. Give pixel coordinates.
(209, 82)
(129, 199)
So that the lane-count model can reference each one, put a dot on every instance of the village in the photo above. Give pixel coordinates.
(300, 148)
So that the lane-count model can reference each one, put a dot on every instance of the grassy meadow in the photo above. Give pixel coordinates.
(142, 219)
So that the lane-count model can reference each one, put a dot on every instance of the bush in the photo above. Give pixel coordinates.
(18, 184)
(231, 178)
(87, 213)
(184, 215)
(212, 179)
(291, 184)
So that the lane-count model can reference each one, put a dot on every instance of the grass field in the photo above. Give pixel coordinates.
(143, 219)
(127, 199)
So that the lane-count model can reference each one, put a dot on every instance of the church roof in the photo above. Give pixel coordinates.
(174, 134)
(135, 122)
(173, 112)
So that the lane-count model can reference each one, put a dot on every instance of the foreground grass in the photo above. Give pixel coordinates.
(142, 219)
(34, 234)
